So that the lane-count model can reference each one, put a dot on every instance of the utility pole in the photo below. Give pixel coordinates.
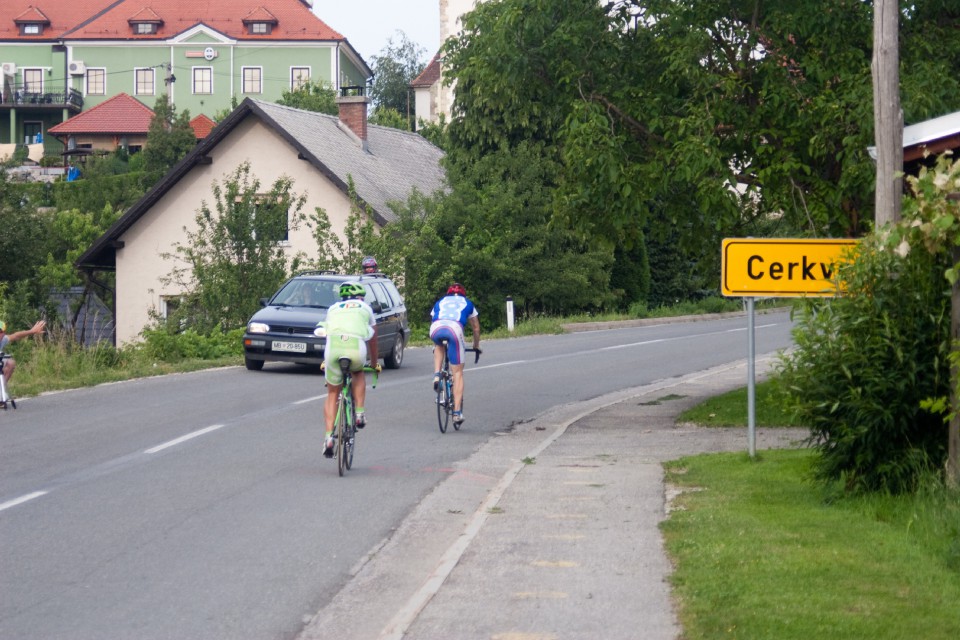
(887, 114)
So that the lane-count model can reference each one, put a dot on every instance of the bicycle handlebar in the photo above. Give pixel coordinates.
(476, 358)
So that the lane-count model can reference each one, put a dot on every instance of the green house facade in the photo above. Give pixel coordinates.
(61, 57)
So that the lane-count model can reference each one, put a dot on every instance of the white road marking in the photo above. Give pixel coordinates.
(189, 436)
(22, 499)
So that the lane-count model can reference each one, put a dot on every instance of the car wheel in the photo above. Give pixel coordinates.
(253, 365)
(395, 359)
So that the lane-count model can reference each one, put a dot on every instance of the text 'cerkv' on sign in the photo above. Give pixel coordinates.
(783, 267)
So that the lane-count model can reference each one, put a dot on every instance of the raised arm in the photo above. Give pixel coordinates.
(35, 329)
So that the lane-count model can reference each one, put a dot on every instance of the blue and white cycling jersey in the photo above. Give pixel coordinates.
(456, 308)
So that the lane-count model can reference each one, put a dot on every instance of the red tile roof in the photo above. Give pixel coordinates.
(63, 15)
(429, 75)
(109, 19)
(120, 114)
(202, 126)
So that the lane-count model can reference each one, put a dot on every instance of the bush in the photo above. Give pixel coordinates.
(863, 364)
(168, 346)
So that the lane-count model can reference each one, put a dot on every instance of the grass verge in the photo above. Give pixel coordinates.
(730, 409)
(759, 552)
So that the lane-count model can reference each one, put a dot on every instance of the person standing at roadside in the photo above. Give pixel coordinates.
(450, 315)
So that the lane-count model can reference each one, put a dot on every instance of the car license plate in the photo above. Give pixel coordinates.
(296, 347)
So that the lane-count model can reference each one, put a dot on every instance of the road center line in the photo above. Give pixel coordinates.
(189, 436)
(22, 499)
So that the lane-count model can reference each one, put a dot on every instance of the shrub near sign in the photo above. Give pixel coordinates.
(782, 267)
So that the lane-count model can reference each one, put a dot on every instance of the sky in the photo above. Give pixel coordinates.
(368, 24)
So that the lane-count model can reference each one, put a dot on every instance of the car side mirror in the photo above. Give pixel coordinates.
(377, 307)
(264, 301)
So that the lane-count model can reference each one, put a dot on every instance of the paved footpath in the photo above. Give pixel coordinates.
(548, 532)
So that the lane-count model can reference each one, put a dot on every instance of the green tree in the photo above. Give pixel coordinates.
(169, 137)
(771, 98)
(387, 117)
(396, 66)
(233, 255)
(311, 96)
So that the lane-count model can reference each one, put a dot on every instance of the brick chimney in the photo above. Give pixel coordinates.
(353, 115)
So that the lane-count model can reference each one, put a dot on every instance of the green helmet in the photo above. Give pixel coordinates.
(352, 290)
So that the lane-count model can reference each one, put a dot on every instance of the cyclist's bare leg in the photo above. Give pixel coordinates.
(456, 372)
(330, 407)
(359, 386)
(8, 366)
(437, 357)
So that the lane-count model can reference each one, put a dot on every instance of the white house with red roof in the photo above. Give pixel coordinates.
(319, 153)
(59, 58)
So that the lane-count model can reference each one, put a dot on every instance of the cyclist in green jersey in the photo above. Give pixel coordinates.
(351, 330)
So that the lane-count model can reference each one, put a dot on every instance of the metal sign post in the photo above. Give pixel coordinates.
(779, 267)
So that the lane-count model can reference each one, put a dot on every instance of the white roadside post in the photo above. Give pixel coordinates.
(510, 314)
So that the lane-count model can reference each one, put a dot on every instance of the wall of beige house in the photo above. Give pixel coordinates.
(140, 266)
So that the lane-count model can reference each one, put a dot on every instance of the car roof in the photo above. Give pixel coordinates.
(341, 277)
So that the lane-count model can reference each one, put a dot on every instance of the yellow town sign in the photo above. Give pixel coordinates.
(782, 267)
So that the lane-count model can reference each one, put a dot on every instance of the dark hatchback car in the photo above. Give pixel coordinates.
(284, 329)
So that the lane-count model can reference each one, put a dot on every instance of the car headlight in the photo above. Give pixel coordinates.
(258, 327)
(320, 331)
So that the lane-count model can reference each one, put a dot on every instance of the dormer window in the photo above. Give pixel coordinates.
(145, 22)
(260, 22)
(31, 22)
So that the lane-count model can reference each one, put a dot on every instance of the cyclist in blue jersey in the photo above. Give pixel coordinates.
(450, 315)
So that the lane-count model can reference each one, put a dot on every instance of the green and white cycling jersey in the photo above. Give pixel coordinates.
(349, 324)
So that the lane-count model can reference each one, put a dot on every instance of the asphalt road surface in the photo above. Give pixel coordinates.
(200, 506)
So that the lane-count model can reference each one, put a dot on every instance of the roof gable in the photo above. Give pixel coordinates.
(202, 126)
(120, 114)
(430, 74)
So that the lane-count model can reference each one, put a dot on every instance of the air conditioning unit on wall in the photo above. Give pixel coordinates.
(77, 68)
(9, 68)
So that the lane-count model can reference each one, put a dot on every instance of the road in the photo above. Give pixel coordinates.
(199, 505)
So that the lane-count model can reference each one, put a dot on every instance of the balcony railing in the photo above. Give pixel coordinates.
(23, 96)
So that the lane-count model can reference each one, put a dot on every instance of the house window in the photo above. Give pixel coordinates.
(203, 80)
(252, 80)
(144, 85)
(299, 76)
(144, 28)
(96, 82)
(33, 80)
(31, 29)
(260, 28)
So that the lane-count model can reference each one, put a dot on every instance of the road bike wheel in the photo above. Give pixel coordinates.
(443, 400)
(341, 430)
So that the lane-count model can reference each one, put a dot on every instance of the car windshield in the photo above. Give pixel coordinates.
(307, 293)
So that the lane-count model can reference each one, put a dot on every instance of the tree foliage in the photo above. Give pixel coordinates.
(169, 137)
(658, 108)
(234, 256)
(311, 96)
(394, 68)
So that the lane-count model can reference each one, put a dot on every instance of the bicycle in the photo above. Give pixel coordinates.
(445, 399)
(345, 422)
(5, 398)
